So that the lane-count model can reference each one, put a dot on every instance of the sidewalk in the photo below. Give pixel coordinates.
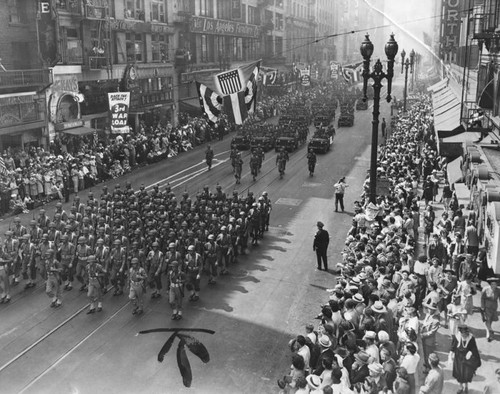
(489, 351)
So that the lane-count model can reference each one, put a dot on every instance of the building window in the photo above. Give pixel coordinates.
(159, 46)
(204, 48)
(237, 48)
(278, 46)
(17, 12)
(135, 47)
(134, 9)
(158, 11)
(253, 15)
(71, 6)
(223, 10)
(207, 8)
(72, 50)
(278, 24)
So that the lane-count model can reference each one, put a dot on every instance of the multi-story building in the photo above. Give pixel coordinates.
(300, 30)
(22, 77)
(107, 46)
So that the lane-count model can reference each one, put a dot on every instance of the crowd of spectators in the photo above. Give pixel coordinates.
(377, 331)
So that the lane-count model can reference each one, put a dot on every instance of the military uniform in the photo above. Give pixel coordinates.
(67, 255)
(95, 274)
(116, 268)
(53, 282)
(193, 268)
(176, 279)
(154, 270)
(83, 251)
(137, 276)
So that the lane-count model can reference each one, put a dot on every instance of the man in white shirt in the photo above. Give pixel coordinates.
(340, 187)
(371, 348)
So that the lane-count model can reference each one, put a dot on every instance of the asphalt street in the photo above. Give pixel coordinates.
(268, 297)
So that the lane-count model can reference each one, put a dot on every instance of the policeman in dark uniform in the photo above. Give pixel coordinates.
(311, 161)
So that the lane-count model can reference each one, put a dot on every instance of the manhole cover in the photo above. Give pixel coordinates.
(288, 201)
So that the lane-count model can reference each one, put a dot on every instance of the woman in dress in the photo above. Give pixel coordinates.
(489, 305)
(466, 290)
(465, 357)
(429, 218)
(456, 313)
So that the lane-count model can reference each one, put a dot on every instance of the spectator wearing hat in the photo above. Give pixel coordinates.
(409, 361)
(314, 384)
(371, 348)
(490, 295)
(320, 246)
(377, 376)
(428, 330)
(389, 365)
(360, 369)
(326, 352)
(465, 357)
(434, 381)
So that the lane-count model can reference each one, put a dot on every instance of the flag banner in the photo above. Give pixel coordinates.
(251, 90)
(210, 103)
(352, 72)
(305, 77)
(235, 107)
(334, 70)
(270, 77)
(230, 81)
(3, 168)
(119, 103)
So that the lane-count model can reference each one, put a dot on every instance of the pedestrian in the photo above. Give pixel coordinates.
(489, 305)
(401, 384)
(297, 370)
(320, 246)
(209, 155)
(434, 380)
(410, 362)
(176, 279)
(137, 276)
(464, 357)
(383, 127)
(4, 277)
(428, 331)
(53, 269)
(95, 274)
(340, 187)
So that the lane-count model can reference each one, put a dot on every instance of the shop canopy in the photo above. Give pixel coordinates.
(191, 106)
(446, 107)
(79, 131)
(454, 171)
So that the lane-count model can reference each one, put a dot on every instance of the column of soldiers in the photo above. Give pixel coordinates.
(133, 240)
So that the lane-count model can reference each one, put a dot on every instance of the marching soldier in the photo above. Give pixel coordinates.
(27, 258)
(19, 230)
(61, 212)
(35, 232)
(223, 240)
(259, 152)
(170, 256)
(83, 251)
(43, 221)
(101, 254)
(176, 279)
(211, 258)
(41, 254)
(238, 166)
(66, 254)
(311, 161)
(137, 277)
(4, 277)
(10, 247)
(154, 263)
(209, 155)
(54, 235)
(193, 268)
(254, 165)
(53, 286)
(281, 159)
(95, 275)
(267, 208)
(116, 267)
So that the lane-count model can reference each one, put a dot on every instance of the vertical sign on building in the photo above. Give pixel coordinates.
(450, 28)
(47, 32)
(236, 9)
(118, 112)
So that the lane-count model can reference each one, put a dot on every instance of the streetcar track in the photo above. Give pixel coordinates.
(74, 347)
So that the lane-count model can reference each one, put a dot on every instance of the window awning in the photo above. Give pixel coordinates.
(453, 171)
(448, 119)
(79, 131)
(191, 106)
(437, 86)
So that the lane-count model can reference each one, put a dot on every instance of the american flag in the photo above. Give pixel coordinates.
(230, 82)
(3, 168)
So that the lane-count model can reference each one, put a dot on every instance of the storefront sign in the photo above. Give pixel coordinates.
(305, 77)
(68, 125)
(68, 84)
(218, 26)
(450, 22)
(139, 27)
(118, 108)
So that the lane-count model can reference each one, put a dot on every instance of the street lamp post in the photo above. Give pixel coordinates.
(366, 49)
(404, 66)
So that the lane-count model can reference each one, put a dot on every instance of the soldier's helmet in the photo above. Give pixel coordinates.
(91, 259)
(135, 261)
(81, 240)
(32, 222)
(156, 244)
(8, 233)
(211, 237)
(190, 248)
(17, 219)
(26, 237)
(174, 263)
(171, 245)
(117, 242)
(65, 237)
(100, 241)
